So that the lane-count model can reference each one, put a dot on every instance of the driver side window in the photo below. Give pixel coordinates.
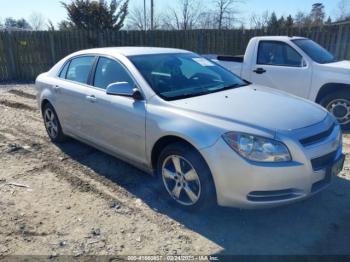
(278, 54)
(109, 71)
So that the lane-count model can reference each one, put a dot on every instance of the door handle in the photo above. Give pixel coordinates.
(91, 98)
(259, 71)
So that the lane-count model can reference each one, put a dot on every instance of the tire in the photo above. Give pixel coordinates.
(52, 124)
(181, 180)
(338, 104)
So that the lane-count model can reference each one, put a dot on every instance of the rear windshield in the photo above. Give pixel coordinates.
(315, 51)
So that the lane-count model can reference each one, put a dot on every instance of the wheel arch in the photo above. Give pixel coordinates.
(330, 88)
(170, 139)
(44, 102)
(165, 141)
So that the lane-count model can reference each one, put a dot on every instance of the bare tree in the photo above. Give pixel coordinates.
(206, 20)
(259, 21)
(137, 19)
(299, 19)
(50, 26)
(343, 10)
(302, 20)
(167, 22)
(37, 21)
(189, 15)
(225, 13)
(185, 17)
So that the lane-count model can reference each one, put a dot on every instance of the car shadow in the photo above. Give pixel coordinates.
(318, 225)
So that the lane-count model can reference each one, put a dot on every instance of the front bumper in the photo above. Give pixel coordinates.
(245, 184)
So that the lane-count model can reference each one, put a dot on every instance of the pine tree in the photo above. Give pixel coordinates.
(273, 24)
(317, 14)
(95, 15)
(289, 22)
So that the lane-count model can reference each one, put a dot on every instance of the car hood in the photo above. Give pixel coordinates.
(343, 66)
(257, 106)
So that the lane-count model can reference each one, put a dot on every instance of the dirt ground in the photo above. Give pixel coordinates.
(74, 200)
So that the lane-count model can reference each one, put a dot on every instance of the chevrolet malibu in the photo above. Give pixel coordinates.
(207, 135)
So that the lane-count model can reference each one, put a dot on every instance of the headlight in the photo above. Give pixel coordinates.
(257, 148)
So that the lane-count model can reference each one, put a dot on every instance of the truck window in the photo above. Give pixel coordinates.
(315, 51)
(278, 54)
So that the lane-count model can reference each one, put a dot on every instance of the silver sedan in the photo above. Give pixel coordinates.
(209, 136)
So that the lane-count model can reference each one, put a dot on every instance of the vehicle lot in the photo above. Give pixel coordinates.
(73, 199)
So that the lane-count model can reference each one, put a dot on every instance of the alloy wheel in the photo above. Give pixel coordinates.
(51, 123)
(181, 180)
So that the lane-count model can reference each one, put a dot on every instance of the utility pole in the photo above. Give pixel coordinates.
(152, 15)
(144, 15)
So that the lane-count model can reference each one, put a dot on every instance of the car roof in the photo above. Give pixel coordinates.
(131, 51)
(279, 38)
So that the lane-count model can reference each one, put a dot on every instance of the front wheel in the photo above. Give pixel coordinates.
(185, 177)
(339, 105)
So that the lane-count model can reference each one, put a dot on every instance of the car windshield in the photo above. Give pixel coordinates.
(315, 51)
(184, 75)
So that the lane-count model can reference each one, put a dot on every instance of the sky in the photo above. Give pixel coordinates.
(53, 10)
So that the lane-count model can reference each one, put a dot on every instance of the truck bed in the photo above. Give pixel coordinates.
(232, 63)
(227, 58)
(237, 58)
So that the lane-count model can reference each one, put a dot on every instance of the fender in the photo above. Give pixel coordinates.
(330, 88)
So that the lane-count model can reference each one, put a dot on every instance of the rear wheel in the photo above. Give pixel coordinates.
(185, 177)
(52, 124)
(339, 105)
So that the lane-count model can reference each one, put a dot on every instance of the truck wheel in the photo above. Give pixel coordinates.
(185, 178)
(339, 105)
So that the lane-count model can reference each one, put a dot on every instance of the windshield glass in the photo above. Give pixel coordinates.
(315, 51)
(178, 76)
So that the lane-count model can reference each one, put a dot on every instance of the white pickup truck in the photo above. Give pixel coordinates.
(296, 65)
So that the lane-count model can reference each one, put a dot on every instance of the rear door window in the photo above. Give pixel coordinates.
(63, 72)
(79, 69)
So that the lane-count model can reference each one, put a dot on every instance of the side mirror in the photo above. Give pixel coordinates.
(123, 89)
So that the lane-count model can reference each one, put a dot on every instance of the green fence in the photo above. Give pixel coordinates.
(25, 54)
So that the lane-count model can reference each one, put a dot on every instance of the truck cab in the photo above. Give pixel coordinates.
(299, 66)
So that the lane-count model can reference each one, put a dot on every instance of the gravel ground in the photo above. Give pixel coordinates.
(71, 199)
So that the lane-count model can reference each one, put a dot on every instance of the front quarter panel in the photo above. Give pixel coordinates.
(202, 131)
(324, 75)
(166, 121)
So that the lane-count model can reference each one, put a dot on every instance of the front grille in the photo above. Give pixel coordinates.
(323, 161)
(318, 137)
(275, 195)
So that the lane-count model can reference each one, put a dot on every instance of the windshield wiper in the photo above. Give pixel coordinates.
(189, 95)
(232, 86)
(184, 96)
(227, 88)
